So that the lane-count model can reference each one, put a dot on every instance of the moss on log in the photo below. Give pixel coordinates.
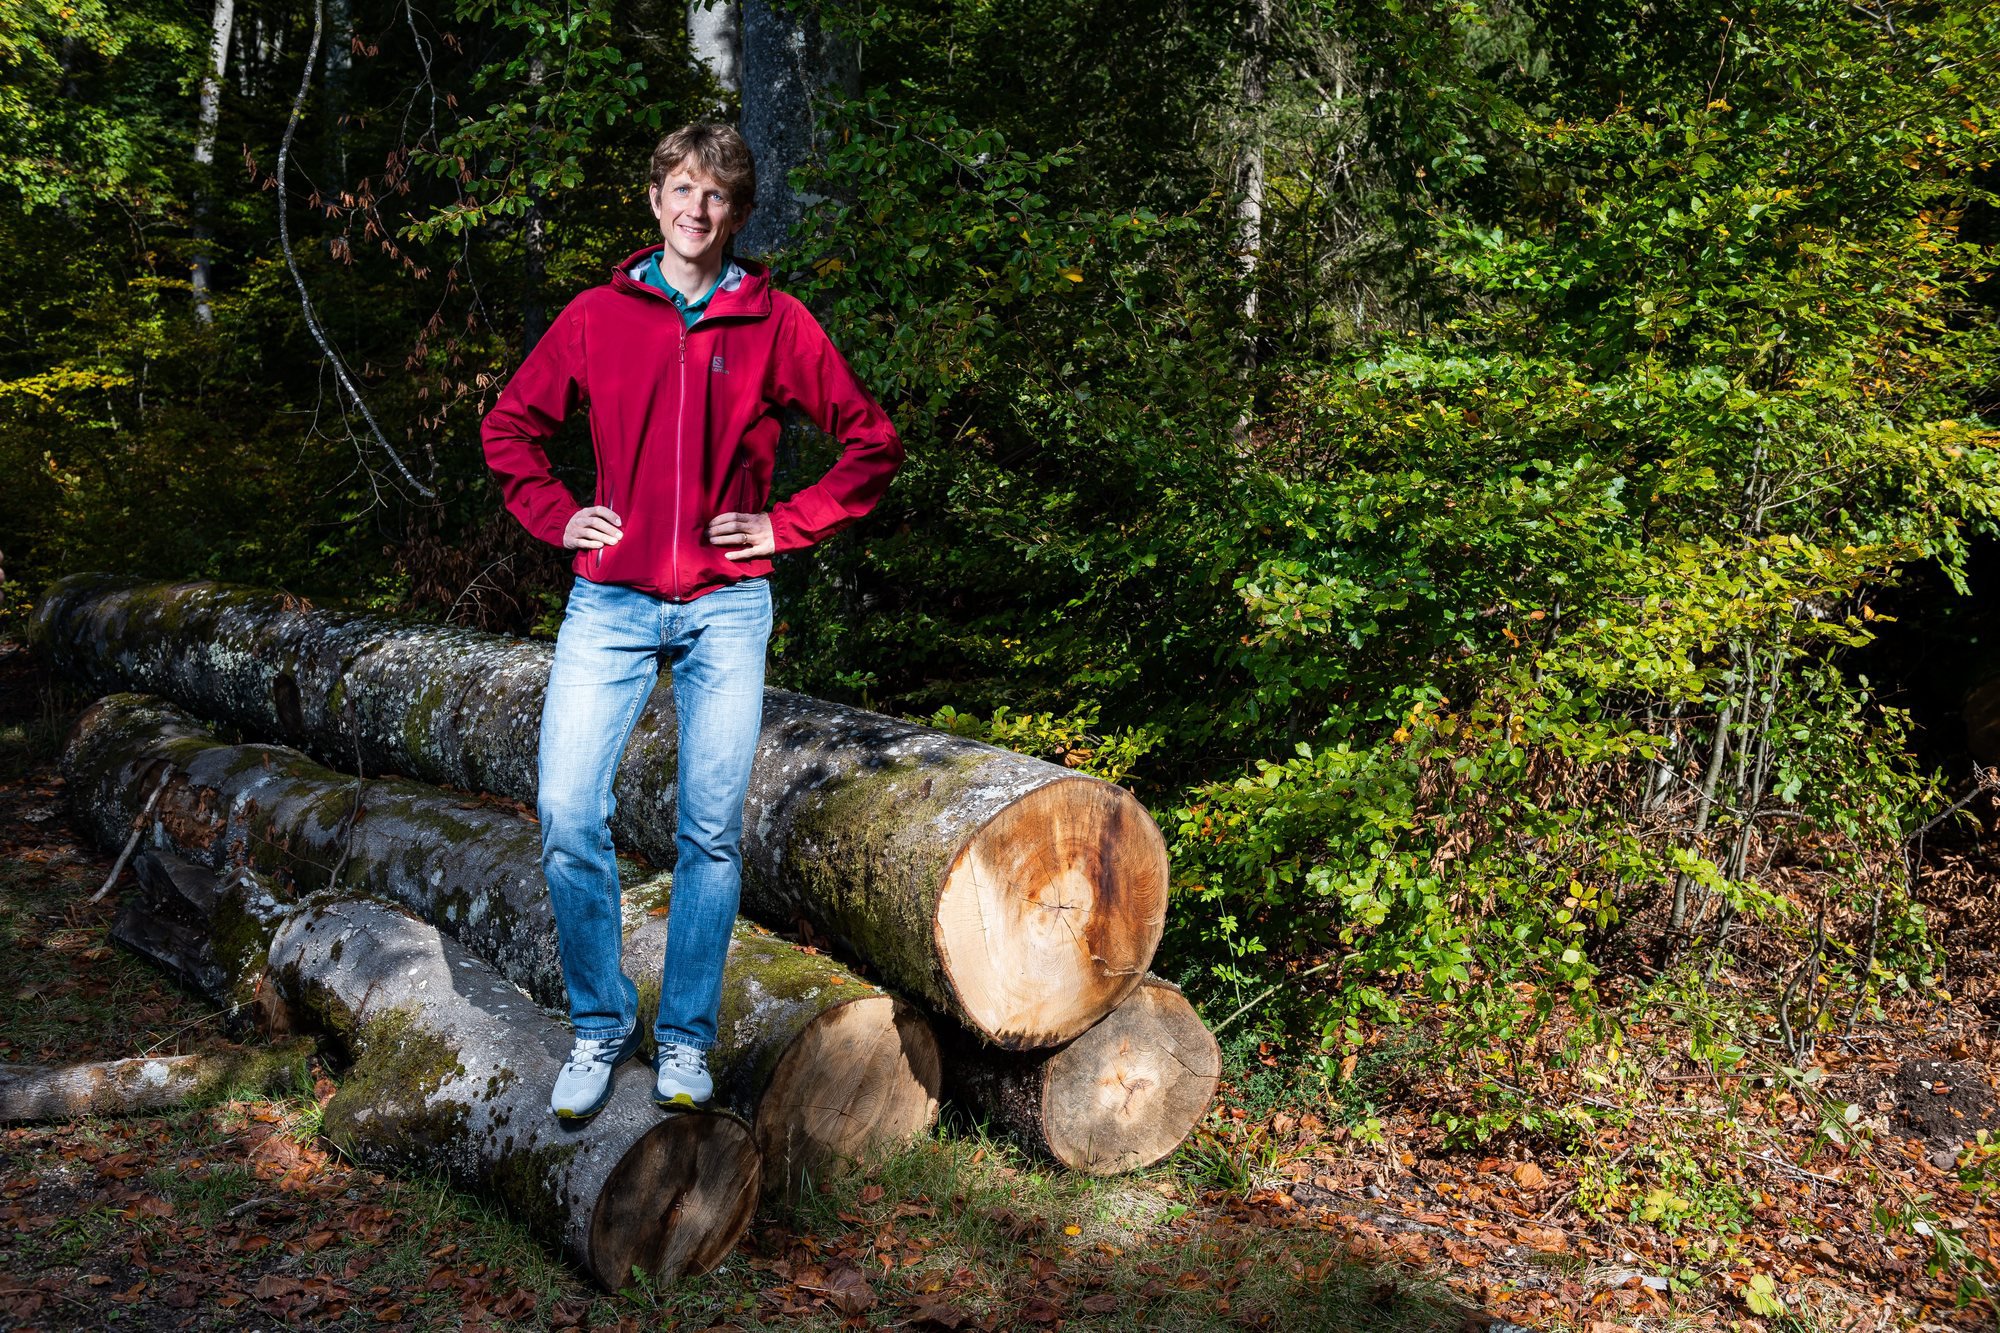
(1119, 1098)
(452, 1069)
(144, 1084)
(825, 1065)
(1022, 898)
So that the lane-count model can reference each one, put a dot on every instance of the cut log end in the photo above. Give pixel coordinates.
(1124, 1095)
(1051, 913)
(862, 1076)
(677, 1201)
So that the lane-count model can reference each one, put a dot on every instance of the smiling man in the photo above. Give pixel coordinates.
(683, 361)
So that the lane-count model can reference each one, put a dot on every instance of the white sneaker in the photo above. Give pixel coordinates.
(680, 1076)
(583, 1085)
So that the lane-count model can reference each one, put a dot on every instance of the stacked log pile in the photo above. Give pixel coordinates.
(1014, 901)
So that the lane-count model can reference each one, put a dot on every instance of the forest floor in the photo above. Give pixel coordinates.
(1665, 1166)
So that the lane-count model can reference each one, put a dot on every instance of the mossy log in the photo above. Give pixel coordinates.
(1022, 898)
(211, 930)
(1119, 1098)
(451, 1074)
(826, 1068)
(823, 1064)
(144, 1084)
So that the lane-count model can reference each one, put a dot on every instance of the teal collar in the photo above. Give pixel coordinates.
(691, 311)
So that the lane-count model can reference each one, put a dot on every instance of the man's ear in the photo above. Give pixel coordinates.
(653, 198)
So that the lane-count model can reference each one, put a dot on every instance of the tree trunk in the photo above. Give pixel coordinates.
(222, 21)
(1248, 169)
(1119, 1098)
(143, 1083)
(452, 1069)
(1021, 898)
(715, 37)
(823, 1064)
(787, 59)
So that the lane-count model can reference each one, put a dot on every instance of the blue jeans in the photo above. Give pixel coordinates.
(608, 656)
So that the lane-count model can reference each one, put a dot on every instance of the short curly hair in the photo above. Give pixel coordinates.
(716, 151)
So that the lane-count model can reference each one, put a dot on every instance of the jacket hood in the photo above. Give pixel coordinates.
(749, 297)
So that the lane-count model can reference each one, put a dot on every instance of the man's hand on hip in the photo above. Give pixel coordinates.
(750, 534)
(591, 527)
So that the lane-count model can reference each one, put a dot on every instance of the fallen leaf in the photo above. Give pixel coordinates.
(849, 1292)
(275, 1286)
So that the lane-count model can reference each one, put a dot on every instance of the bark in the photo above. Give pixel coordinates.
(1021, 898)
(827, 1069)
(222, 21)
(1119, 1098)
(451, 1075)
(824, 1065)
(787, 58)
(1248, 169)
(715, 37)
(212, 931)
(143, 1083)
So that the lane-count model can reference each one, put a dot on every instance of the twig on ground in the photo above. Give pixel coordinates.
(1770, 1158)
(1267, 993)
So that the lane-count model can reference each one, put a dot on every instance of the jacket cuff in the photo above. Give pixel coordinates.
(552, 526)
(806, 518)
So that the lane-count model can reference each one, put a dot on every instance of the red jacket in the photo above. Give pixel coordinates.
(685, 426)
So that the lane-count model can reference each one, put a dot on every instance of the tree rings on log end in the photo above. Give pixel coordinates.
(1052, 911)
(1124, 1094)
(677, 1202)
(863, 1075)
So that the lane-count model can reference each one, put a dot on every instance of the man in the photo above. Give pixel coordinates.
(683, 362)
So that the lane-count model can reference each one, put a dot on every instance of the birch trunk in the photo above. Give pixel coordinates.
(1021, 898)
(1249, 165)
(715, 36)
(221, 22)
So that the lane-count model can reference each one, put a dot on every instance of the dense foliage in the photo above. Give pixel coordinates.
(1464, 559)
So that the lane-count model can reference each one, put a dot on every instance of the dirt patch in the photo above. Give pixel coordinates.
(1942, 1101)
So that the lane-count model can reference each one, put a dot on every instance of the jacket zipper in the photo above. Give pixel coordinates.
(599, 552)
(680, 437)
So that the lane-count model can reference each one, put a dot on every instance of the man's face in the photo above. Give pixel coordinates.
(696, 216)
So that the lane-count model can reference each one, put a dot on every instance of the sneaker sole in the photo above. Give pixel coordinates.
(684, 1101)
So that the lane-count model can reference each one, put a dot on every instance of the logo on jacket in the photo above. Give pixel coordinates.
(715, 366)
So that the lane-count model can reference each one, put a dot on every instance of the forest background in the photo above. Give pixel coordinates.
(1454, 461)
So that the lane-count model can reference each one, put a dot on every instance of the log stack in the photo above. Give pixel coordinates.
(1015, 902)
(1018, 897)
(791, 1020)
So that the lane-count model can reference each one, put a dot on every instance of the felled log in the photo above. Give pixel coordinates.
(1022, 898)
(143, 1084)
(823, 1064)
(826, 1068)
(1119, 1098)
(452, 1069)
(212, 930)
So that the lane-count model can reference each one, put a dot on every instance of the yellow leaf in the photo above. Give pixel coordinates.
(1073, 274)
